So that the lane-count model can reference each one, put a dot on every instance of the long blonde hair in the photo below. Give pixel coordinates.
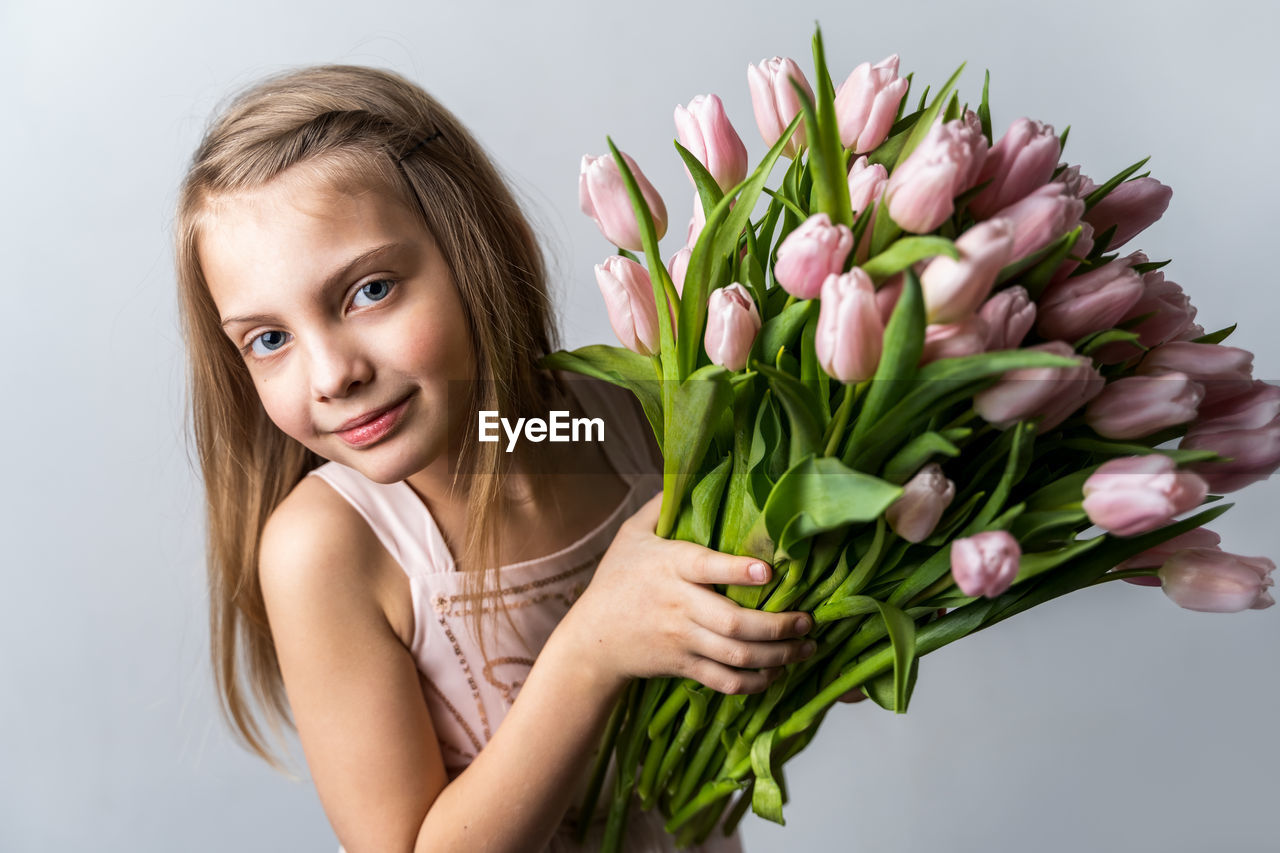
(365, 125)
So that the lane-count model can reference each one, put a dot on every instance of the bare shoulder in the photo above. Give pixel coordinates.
(352, 686)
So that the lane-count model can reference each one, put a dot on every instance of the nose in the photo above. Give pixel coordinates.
(338, 365)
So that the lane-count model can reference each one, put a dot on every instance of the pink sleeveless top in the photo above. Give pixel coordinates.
(467, 693)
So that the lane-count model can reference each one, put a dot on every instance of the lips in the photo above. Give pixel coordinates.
(371, 427)
(368, 417)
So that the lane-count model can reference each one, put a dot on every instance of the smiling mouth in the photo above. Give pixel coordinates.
(371, 416)
(371, 428)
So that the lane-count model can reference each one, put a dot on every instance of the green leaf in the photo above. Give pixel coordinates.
(984, 108)
(915, 454)
(826, 155)
(1103, 191)
(766, 798)
(819, 494)
(1215, 337)
(1094, 341)
(1120, 448)
(709, 192)
(620, 366)
(1034, 264)
(906, 252)
(706, 500)
(695, 409)
(922, 126)
(902, 638)
(1021, 439)
(885, 230)
(804, 411)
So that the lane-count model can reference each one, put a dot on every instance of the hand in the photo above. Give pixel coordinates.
(856, 694)
(650, 610)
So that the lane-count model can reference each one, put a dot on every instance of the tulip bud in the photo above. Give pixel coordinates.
(1137, 406)
(1079, 251)
(705, 129)
(1252, 409)
(1009, 315)
(952, 340)
(1214, 581)
(850, 334)
(678, 266)
(732, 325)
(815, 250)
(866, 185)
(867, 103)
(915, 514)
(775, 102)
(921, 191)
(1223, 371)
(1198, 537)
(1051, 394)
(1252, 455)
(953, 290)
(602, 195)
(1136, 494)
(628, 297)
(1168, 312)
(1022, 161)
(1131, 208)
(1041, 217)
(985, 564)
(887, 297)
(1088, 303)
(1077, 184)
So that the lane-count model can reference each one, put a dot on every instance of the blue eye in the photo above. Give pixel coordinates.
(271, 341)
(375, 291)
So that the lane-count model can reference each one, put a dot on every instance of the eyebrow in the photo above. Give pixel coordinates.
(334, 279)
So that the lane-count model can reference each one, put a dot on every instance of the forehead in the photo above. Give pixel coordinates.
(291, 232)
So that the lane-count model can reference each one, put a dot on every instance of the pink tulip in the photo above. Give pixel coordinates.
(1198, 537)
(678, 266)
(1022, 161)
(1169, 314)
(705, 129)
(1223, 371)
(628, 297)
(815, 250)
(952, 340)
(1252, 409)
(887, 297)
(1077, 184)
(1131, 207)
(1051, 394)
(850, 333)
(985, 564)
(1009, 315)
(1136, 494)
(953, 290)
(1214, 581)
(1088, 303)
(921, 191)
(775, 102)
(1137, 406)
(1079, 251)
(697, 222)
(732, 325)
(867, 103)
(602, 195)
(866, 185)
(1252, 455)
(915, 514)
(1041, 217)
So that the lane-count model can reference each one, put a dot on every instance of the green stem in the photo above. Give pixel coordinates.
(1126, 573)
(601, 766)
(840, 421)
(669, 708)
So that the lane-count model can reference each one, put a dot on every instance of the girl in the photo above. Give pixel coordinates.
(357, 283)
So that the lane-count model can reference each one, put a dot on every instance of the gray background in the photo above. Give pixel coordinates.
(1111, 720)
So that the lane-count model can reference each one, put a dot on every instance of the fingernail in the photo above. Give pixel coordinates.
(808, 648)
(759, 572)
(803, 625)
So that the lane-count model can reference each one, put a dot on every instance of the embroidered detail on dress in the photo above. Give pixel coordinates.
(471, 679)
(507, 689)
(471, 735)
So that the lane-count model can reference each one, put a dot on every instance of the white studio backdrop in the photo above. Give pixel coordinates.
(1110, 720)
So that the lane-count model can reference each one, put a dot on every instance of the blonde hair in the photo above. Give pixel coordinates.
(352, 124)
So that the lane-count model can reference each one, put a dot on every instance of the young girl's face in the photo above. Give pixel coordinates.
(347, 317)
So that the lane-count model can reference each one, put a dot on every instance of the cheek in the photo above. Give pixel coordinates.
(286, 410)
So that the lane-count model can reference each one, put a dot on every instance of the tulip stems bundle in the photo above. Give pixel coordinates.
(844, 387)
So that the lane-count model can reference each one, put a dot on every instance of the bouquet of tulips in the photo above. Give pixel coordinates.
(911, 376)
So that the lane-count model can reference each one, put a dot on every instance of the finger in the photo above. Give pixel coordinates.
(704, 566)
(649, 512)
(748, 655)
(726, 679)
(716, 613)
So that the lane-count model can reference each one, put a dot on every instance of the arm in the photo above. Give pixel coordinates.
(365, 728)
